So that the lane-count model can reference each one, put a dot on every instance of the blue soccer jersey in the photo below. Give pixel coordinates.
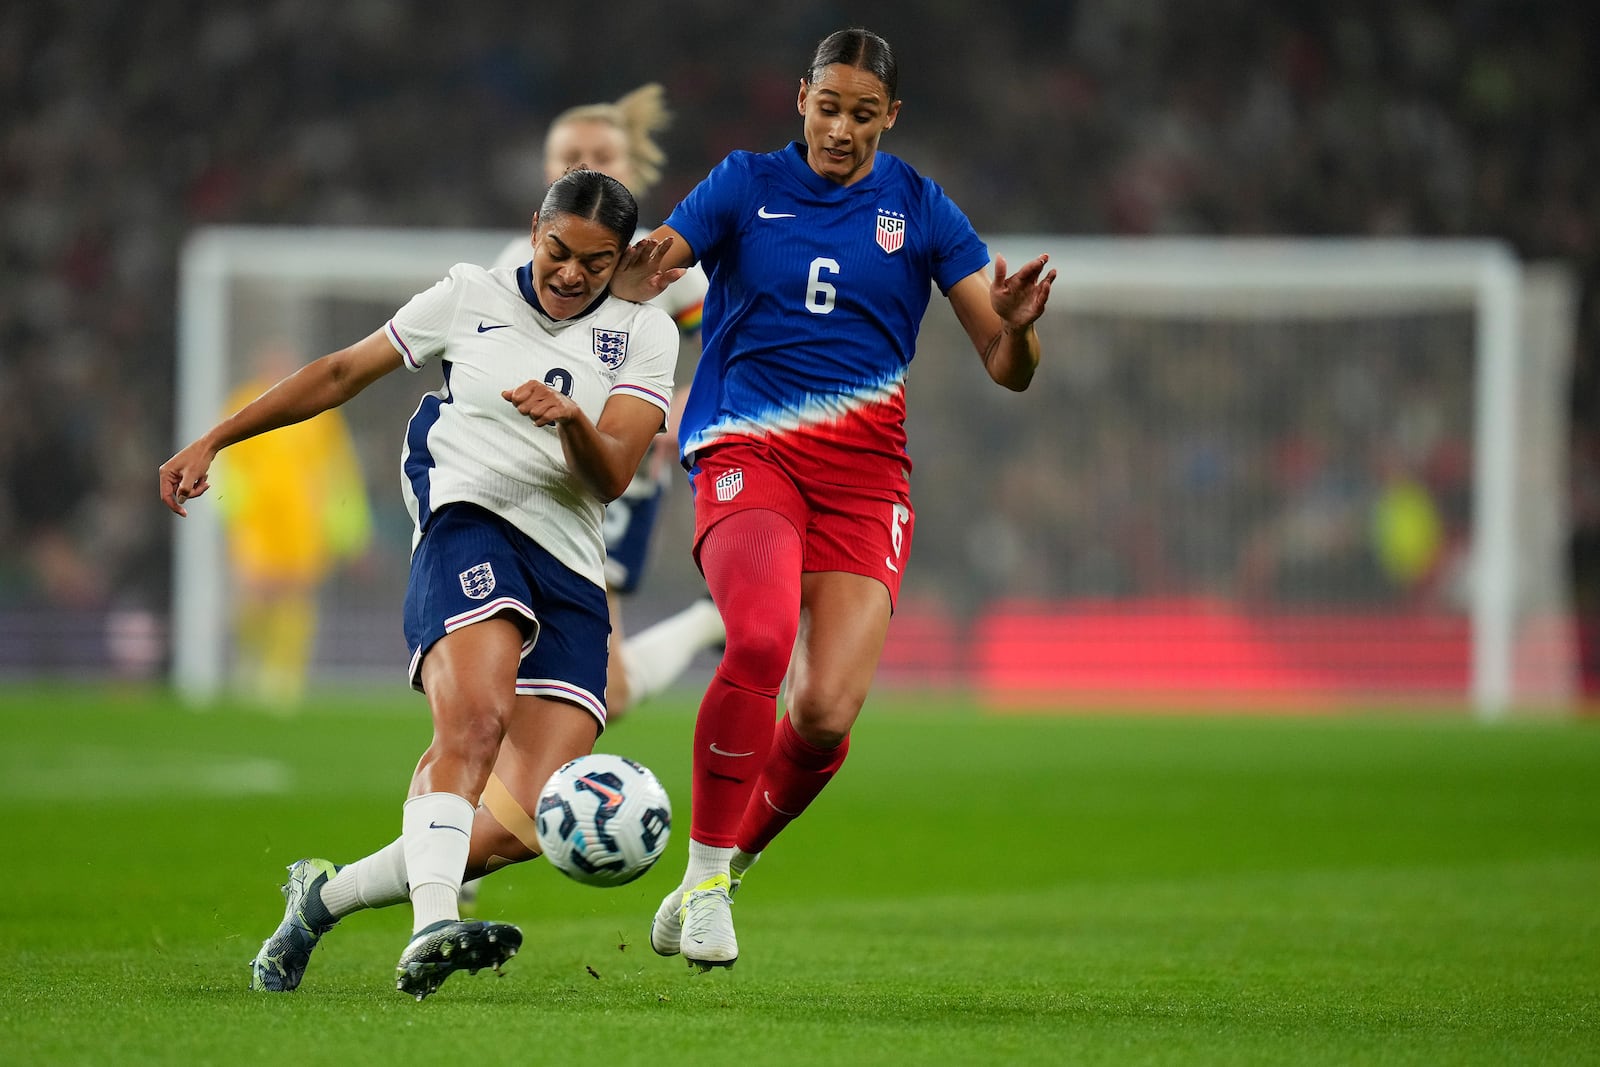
(816, 294)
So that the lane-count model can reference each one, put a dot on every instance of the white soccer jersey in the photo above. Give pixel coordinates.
(681, 299)
(468, 443)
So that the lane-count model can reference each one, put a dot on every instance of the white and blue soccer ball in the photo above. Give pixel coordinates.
(603, 819)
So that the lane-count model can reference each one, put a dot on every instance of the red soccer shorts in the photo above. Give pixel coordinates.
(847, 522)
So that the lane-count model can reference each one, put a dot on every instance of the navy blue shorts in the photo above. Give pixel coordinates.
(630, 520)
(472, 565)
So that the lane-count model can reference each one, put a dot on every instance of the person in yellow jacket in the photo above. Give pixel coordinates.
(296, 507)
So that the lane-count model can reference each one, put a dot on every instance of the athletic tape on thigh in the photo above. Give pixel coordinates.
(508, 812)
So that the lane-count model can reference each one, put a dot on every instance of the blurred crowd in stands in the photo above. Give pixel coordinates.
(127, 125)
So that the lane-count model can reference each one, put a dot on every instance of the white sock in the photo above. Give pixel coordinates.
(433, 902)
(705, 861)
(374, 881)
(741, 861)
(656, 656)
(436, 830)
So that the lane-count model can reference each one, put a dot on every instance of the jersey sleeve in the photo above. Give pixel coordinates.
(957, 249)
(711, 210)
(652, 359)
(418, 331)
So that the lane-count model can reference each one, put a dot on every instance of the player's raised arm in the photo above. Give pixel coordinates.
(998, 315)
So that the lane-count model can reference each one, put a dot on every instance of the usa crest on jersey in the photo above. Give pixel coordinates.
(729, 484)
(891, 230)
(611, 346)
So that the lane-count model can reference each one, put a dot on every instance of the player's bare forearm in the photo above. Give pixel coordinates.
(185, 475)
(1012, 357)
(999, 315)
(601, 461)
(322, 384)
(319, 386)
(307, 392)
(604, 457)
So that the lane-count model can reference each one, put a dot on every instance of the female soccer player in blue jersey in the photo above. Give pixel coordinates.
(551, 395)
(820, 258)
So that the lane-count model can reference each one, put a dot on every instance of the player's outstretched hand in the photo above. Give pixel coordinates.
(544, 405)
(639, 276)
(1020, 298)
(183, 477)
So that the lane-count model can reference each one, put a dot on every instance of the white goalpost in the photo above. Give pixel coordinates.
(1322, 443)
(1313, 278)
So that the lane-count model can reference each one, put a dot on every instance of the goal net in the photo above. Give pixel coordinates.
(1286, 474)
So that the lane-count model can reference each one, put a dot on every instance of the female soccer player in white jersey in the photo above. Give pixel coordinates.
(552, 392)
(820, 258)
(617, 139)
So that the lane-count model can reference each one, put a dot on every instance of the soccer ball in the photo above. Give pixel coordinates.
(603, 819)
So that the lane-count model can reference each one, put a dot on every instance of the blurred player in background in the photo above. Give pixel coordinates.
(506, 478)
(295, 507)
(616, 139)
(821, 259)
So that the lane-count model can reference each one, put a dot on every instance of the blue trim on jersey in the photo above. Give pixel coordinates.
(525, 286)
(813, 308)
(419, 459)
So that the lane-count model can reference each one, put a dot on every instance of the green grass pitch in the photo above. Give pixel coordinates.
(972, 889)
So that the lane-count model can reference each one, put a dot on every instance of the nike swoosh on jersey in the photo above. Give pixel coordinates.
(763, 213)
(725, 752)
(497, 326)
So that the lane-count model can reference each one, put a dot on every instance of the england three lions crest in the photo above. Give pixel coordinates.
(611, 346)
(478, 582)
(891, 230)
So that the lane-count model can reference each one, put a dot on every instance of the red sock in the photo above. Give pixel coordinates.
(751, 561)
(795, 773)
